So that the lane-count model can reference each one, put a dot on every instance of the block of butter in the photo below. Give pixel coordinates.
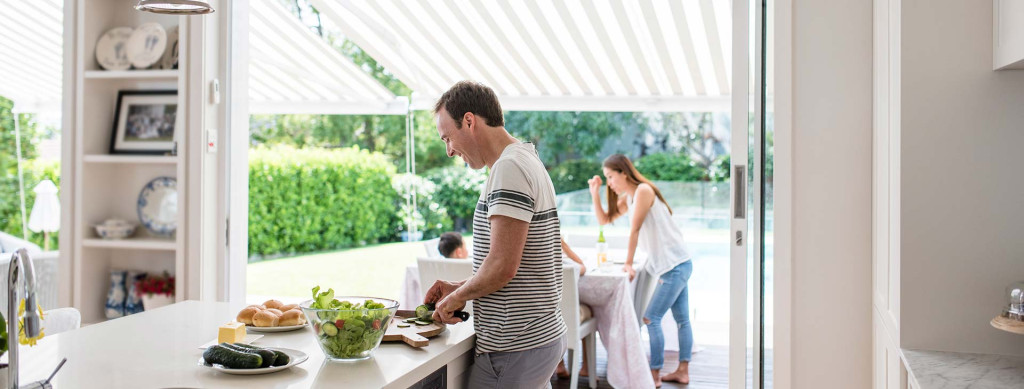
(232, 332)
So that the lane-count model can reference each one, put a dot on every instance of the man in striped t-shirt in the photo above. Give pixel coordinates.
(517, 265)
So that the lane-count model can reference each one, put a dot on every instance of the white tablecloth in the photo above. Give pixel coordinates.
(609, 294)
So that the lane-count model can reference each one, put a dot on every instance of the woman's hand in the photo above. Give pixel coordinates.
(583, 269)
(629, 269)
(595, 185)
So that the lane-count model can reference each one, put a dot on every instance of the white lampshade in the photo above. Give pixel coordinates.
(45, 214)
(175, 7)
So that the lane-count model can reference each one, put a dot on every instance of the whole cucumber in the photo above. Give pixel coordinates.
(231, 358)
(267, 355)
(280, 360)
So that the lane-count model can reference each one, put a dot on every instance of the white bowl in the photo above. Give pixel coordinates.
(115, 229)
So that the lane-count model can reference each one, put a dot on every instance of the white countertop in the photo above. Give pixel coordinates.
(947, 370)
(159, 348)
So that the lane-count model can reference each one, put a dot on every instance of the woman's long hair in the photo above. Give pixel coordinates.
(622, 164)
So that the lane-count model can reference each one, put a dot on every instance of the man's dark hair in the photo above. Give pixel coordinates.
(448, 243)
(469, 96)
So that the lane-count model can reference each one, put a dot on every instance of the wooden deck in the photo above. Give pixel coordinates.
(709, 369)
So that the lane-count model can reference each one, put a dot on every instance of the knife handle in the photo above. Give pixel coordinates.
(461, 315)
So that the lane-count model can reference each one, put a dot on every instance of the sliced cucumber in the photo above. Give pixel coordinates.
(329, 329)
(411, 320)
(403, 325)
(423, 323)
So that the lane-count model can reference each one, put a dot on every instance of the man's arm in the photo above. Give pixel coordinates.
(508, 239)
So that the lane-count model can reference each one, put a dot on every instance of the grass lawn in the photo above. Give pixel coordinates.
(375, 271)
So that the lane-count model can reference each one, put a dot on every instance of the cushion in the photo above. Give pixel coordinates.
(585, 312)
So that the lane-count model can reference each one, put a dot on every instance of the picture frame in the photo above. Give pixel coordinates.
(145, 122)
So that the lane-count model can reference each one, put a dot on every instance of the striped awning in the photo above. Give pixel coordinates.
(595, 55)
(293, 70)
(31, 54)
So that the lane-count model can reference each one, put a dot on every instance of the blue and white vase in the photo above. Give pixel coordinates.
(132, 301)
(116, 294)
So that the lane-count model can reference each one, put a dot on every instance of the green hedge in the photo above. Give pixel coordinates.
(458, 189)
(670, 167)
(311, 200)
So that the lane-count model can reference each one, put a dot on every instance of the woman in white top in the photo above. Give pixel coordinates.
(652, 228)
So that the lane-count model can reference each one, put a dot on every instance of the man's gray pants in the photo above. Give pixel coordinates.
(521, 369)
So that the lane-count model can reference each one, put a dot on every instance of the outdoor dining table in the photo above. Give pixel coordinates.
(609, 293)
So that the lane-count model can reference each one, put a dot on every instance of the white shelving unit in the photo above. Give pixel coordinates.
(108, 186)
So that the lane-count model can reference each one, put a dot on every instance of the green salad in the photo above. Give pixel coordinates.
(348, 330)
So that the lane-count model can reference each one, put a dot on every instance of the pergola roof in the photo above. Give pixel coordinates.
(601, 55)
(292, 70)
(31, 53)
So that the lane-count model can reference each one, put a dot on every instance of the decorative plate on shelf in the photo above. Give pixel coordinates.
(158, 206)
(170, 57)
(146, 45)
(112, 49)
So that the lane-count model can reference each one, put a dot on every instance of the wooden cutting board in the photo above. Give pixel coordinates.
(412, 335)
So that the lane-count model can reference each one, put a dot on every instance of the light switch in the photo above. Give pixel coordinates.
(211, 141)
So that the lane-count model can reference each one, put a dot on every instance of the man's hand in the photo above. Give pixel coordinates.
(440, 290)
(444, 311)
(629, 269)
(595, 185)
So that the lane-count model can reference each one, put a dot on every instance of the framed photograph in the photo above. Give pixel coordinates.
(145, 122)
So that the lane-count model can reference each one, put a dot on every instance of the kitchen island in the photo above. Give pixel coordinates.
(160, 348)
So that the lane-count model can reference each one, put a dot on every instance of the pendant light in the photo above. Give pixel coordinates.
(175, 7)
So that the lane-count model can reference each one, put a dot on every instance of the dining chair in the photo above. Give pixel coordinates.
(580, 325)
(60, 320)
(430, 246)
(433, 269)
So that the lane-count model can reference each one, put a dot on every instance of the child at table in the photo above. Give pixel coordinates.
(652, 227)
(451, 246)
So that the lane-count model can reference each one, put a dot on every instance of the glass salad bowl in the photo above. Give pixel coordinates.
(349, 328)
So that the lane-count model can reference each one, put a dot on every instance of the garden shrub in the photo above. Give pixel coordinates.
(429, 216)
(670, 167)
(458, 189)
(311, 200)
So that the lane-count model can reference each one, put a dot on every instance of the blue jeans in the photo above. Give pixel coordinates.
(671, 292)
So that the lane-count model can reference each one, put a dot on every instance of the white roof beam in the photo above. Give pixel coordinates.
(362, 34)
(606, 15)
(683, 28)
(695, 18)
(523, 52)
(587, 52)
(715, 45)
(568, 54)
(655, 32)
(643, 53)
(486, 38)
(534, 47)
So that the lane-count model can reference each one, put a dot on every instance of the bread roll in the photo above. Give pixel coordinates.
(245, 316)
(276, 312)
(286, 308)
(265, 318)
(292, 318)
(273, 304)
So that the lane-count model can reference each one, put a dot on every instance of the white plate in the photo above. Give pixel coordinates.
(158, 206)
(274, 329)
(112, 49)
(296, 356)
(146, 45)
(249, 338)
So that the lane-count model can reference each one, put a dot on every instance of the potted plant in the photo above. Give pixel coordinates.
(155, 291)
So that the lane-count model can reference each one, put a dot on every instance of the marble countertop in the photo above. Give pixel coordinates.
(948, 370)
(160, 348)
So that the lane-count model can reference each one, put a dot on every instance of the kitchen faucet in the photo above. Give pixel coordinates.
(21, 264)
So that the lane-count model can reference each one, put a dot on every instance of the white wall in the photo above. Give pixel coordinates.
(831, 189)
(962, 186)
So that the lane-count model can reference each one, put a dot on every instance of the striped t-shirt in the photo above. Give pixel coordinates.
(524, 314)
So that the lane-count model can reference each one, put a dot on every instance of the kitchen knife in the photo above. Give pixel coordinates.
(427, 311)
